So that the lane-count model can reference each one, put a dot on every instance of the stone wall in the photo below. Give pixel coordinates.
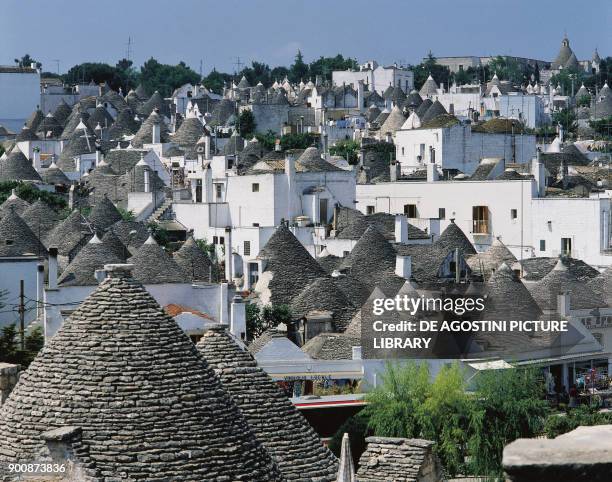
(9, 375)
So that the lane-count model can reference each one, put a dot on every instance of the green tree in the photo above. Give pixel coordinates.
(126, 215)
(508, 404)
(440, 73)
(165, 78)
(324, 66)
(270, 316)
(507, 68)
(246, 123)
(557, 424)
(602, 126)
(569, 80)
(567, 118)
(92, 71)
(279, 73)
(299, 69)
(27, 60)
(31, 194)
(348, 149)
(10, 349)
(215, 81)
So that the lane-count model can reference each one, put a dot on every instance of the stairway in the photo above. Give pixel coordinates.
(159, 212)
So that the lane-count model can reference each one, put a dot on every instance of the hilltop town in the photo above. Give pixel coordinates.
(188, 270)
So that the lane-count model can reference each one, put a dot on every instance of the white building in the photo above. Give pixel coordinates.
(19, 94)
(514, 210)
(241, 211)
(460, 146)
(376, 77)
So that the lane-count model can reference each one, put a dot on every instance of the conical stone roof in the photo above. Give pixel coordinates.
(91, 257)
(194, 261)
(602, 285)
(507, 298)
(277, 424)
(489, 261)
(434, 111)
(414, 99)
(152, 265)
(423, 108)
(104, 214)
(131, 233)
(13, 202)
(17, 239)
(156, 101)
(372, 259)
(189, 133)
(17, 167)
(82, 141)
(148, 405)
(323, 294)
(565, 52)
(41, 219)
(452, 238)
(291, 267)
(76, 117)
(394, 122)
(35, 118)
(62, 112)
(112, 241)
(429, 88)
(124, 125)
(54, 175)
(145, 133)
(26, 134)
(561, 280)
(100, 116)
(49, 128)
(69, 233)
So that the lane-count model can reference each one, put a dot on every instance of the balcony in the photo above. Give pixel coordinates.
(480, 226)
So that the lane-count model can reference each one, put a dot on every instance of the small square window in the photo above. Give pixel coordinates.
(542, 245)
(370, 210)
(255, 187)
(441, 213)
(513, 214)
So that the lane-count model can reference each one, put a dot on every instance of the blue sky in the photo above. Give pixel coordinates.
(216, 32)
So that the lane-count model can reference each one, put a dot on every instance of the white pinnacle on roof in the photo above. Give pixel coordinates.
(98, 127)
(80, 126)
(95, 239)
(13, 195)
(495, 77)
(150, 240)
(555, 145)
(141, 162)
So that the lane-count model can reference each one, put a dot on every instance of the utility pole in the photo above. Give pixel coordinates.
(57, 62)
(21, 311)
(128, 53)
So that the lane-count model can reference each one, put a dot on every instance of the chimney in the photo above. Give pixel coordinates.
(360, 101)
(538, 171)
(207, 142)
(71, 197)
(40, 288)
(238, 318)
(36, 157)
(208, 184)
(229, 261)
(290, 173)
(146, 173)
(356, 353)
(563, 304)
(451, 109)
(395, 171)
(277, 145)
(52, 284)
(389, 138)
(361, 157)
(401, 229)
(457, 267)
(403, 266)
(155, 133)
(432, 172)
(223, 294)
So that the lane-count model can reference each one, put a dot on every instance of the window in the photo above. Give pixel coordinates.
(410, 210)
(566, 246)
(402, 151)
(421, 155)
(370, 210)
(599, 338)
(221, 240)
(219, 190)
(247, 248)
(345, 253)
(441, 213)
(542, 245)
(513, 214)
(480, 219)
(255, 187)
(215, 240)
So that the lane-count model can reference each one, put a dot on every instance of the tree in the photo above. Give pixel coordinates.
(27, 61)
(10, 350)
(557, 424)
(298, 70)
(567, 118)
(569, 80)
(91, 72)
(261, 319)
(324, 66)
(165, 78)
(347, 149)
(215, 81)
(31, 194)
(246, 123)
(440, 73)
(602, 126)
(507, 68)
(508, 404)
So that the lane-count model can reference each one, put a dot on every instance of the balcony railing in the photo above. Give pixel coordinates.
(480, 226)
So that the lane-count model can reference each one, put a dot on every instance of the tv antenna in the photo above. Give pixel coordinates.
(128, 53)
(238, 64)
